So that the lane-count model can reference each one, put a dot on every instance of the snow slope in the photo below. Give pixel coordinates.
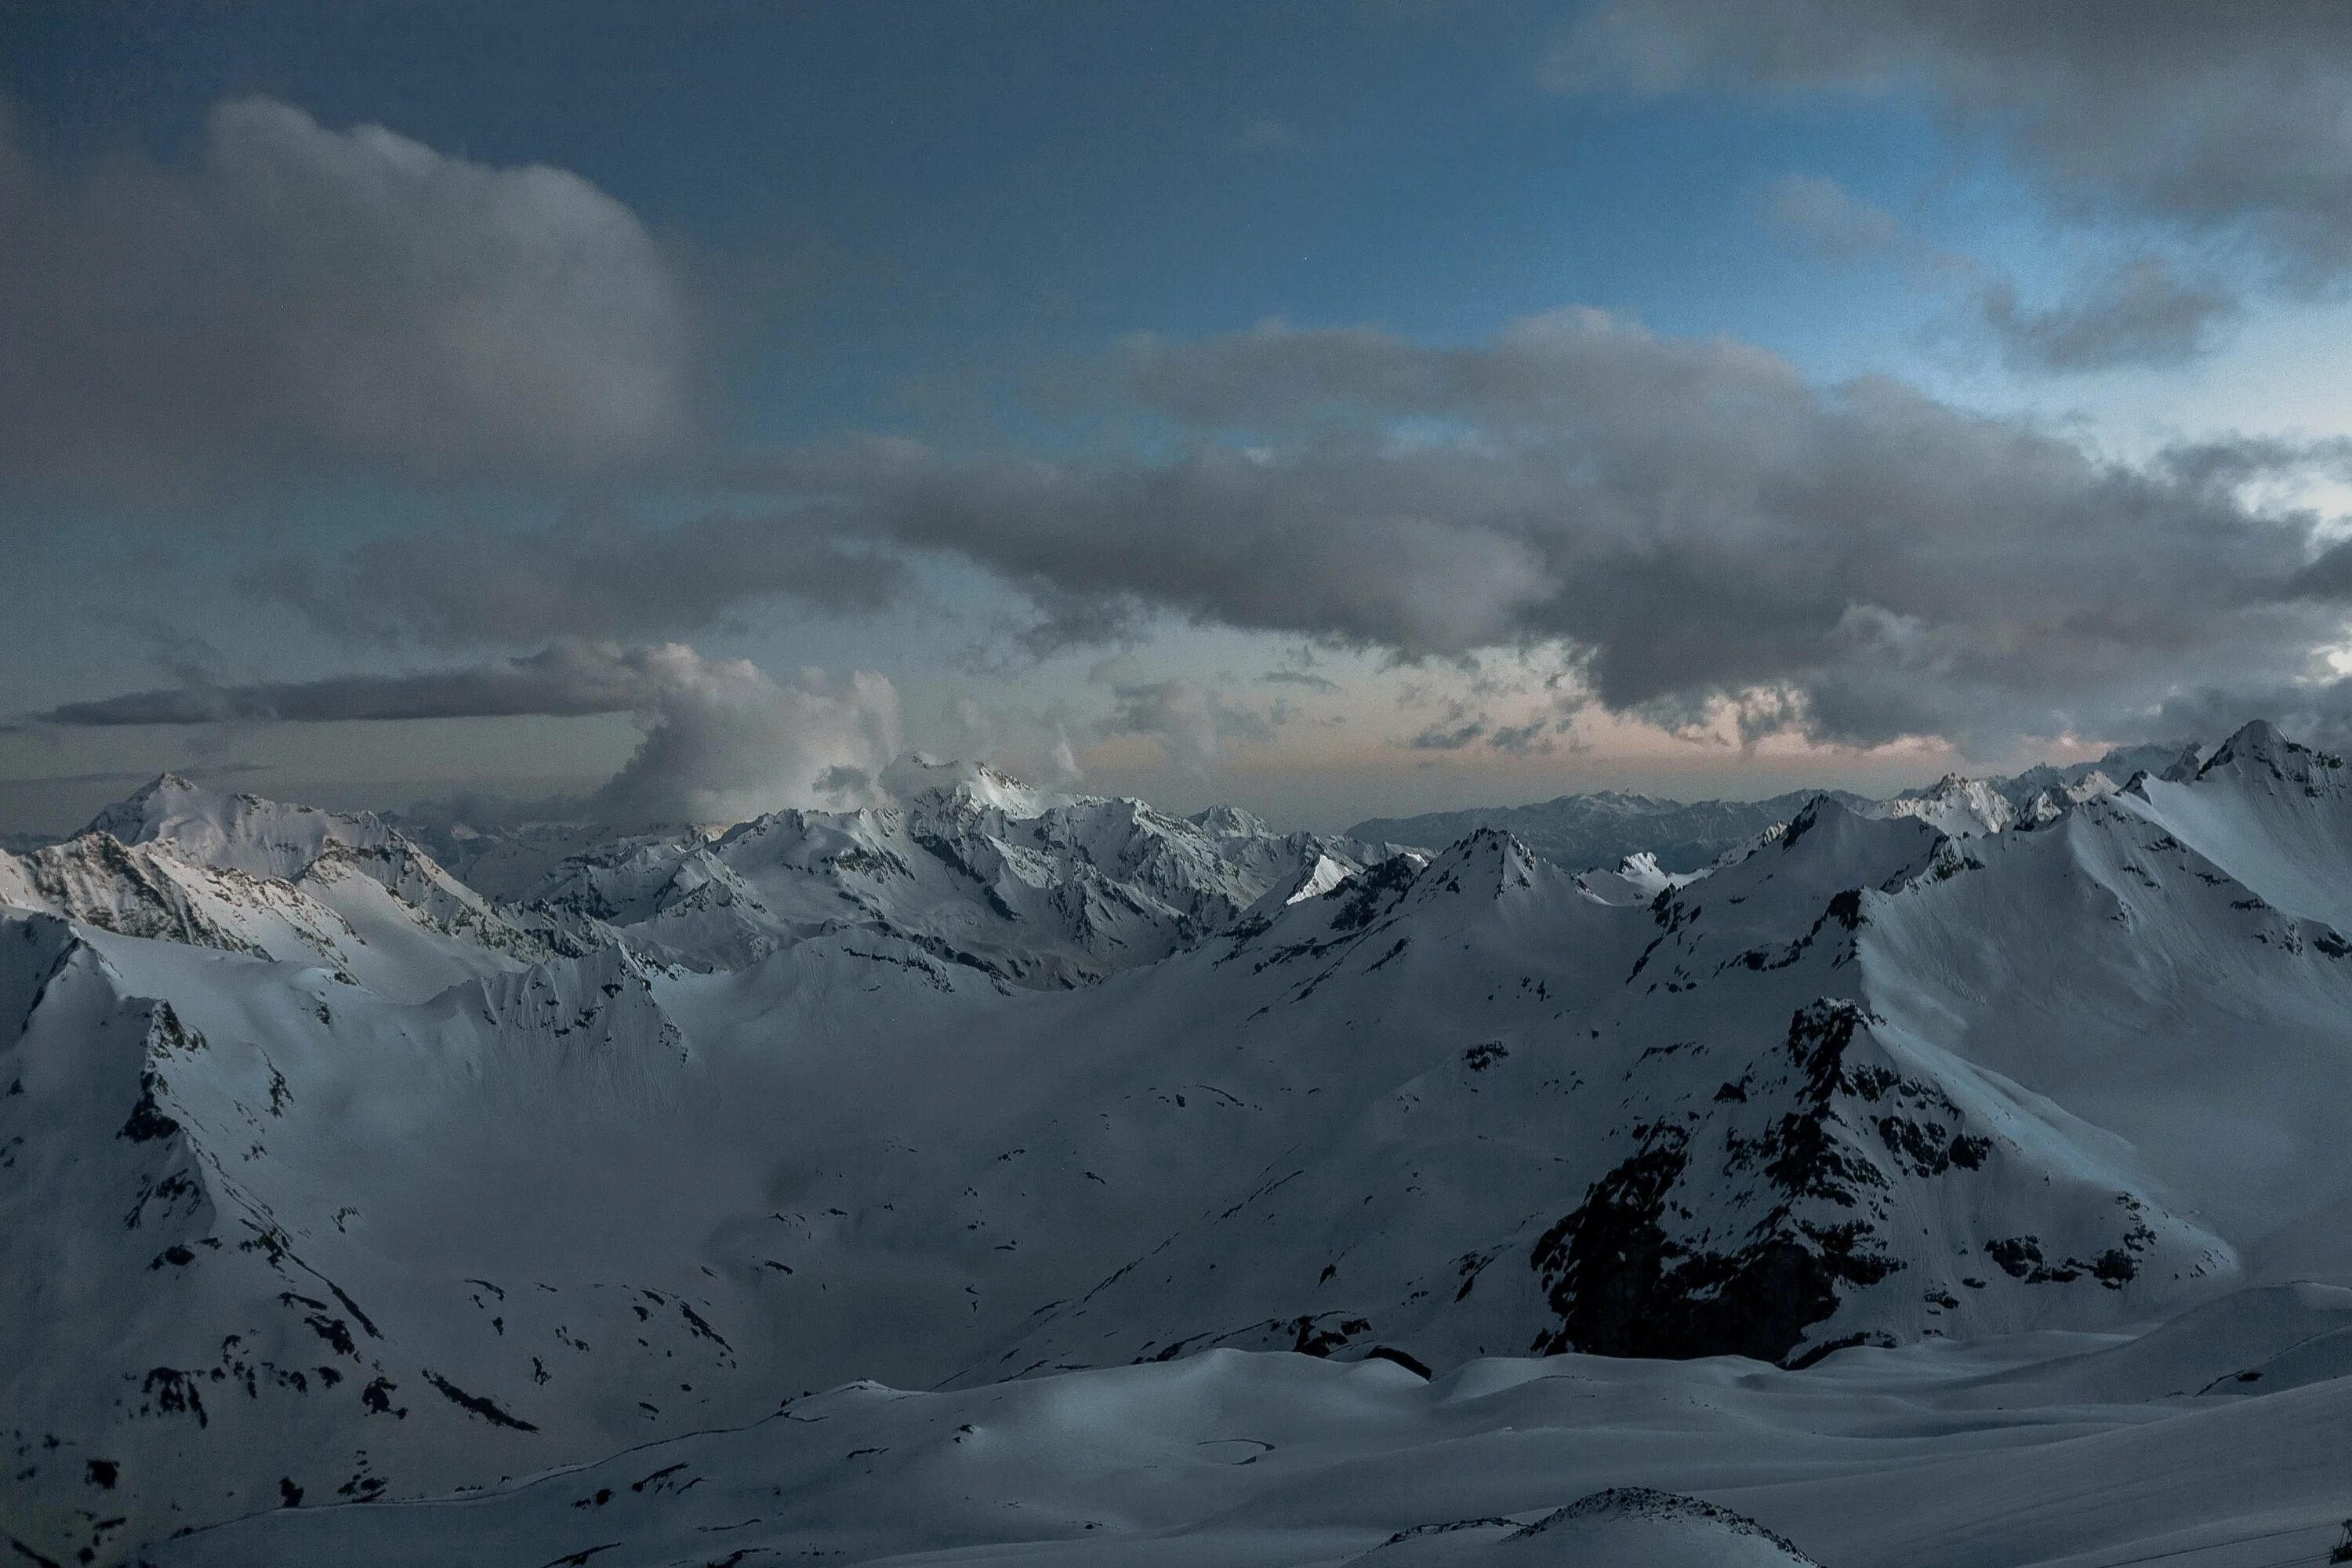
(1886, 1457)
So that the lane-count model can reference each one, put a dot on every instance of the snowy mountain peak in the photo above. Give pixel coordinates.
(353, 887)
(924, 782)
(2092, 785)
(165, 783)
(1325, 875)
(2182, 768)
(2258, 751)
(237, 832)
(1642, 869)
(1637, 879)
(1956, 806)
(1829, 844)
(2048, 805)
(1229, 822)
(1491, 861)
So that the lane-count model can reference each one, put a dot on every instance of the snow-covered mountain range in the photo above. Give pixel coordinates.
(1603, 828)
(340, 1163)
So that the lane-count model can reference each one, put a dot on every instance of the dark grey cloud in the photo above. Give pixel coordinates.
(2145, 312)
(1459, 727)
(1450, 736)
(2318, 713)
(2235, 459)
(296, 298)
(1299, 678)
(594, 575)
(570, 679)
(1690, 520)
(1217, 534)
(721, 740)
(1522, 740)
(2232, 120)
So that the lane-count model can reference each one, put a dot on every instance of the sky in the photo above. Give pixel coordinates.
(1346, 408)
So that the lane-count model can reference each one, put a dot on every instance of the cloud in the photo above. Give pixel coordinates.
(1299, 678)
(299, 299)
(2143, 313)
(1216, 535)
(592, 575)
(1450, 736)
(2230, 121)
(721, 739)
(1190, 721)
(2140, 311)
(569, 679)
(725, 741)
(1700, 533)
(1523, 740)
(1689, 520)
(1061, 766)
(1831, 217)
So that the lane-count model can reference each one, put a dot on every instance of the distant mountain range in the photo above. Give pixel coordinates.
(1603, 828)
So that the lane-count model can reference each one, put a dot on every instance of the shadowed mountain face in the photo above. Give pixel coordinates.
(328, 1176)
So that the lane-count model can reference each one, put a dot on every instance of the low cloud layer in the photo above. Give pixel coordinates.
(299, 300)
(722, 739)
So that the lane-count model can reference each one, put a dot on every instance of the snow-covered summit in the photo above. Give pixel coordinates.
(1955, 806)
(237, 831)
(2259, 752)
(1635, 879)
(927, 785)
(1230, 822)
(378, 885)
